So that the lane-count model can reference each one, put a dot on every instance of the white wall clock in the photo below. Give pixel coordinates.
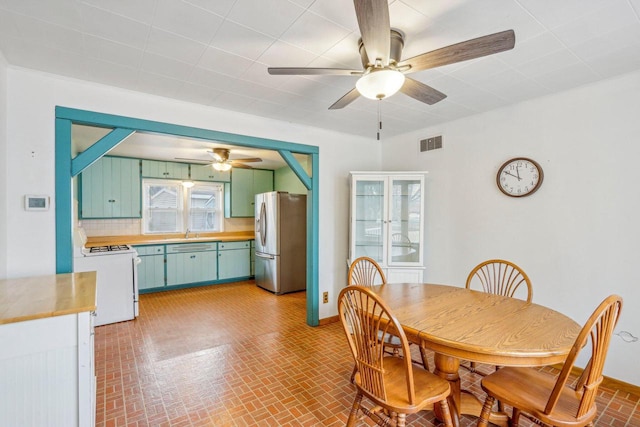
(519, 177)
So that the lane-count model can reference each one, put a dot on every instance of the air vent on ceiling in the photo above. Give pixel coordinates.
(433, 143)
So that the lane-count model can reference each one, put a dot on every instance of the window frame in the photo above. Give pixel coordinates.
(184, 209)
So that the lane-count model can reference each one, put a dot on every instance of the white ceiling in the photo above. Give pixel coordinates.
(171, 148)
(216, 52)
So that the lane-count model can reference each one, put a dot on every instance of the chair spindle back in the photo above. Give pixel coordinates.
(364, 271)
(500, 277)
(597, 332)
(367, 323)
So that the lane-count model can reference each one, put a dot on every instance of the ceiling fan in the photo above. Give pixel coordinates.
(380, 51)
(220, 160)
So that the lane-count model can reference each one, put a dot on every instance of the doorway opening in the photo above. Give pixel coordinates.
(69, 165)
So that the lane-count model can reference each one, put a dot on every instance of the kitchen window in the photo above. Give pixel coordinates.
(204, 204)
(170, 208)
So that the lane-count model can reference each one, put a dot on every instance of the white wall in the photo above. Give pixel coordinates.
(32, 98)
(578, 237)
(3, 167)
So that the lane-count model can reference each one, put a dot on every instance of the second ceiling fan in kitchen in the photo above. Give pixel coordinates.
(221, 161)
(384, 73)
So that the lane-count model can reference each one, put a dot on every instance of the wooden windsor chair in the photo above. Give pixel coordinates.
(553, 400)
(365, 271)
(499, 277)
(396, 387)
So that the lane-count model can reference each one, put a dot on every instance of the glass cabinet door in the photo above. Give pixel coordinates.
(405, 211)
(369, 219)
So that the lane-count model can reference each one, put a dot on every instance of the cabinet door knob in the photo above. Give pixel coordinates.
(192, 256)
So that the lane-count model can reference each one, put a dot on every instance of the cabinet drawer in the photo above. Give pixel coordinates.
(233, 245)
(191, 247)
(149, 250)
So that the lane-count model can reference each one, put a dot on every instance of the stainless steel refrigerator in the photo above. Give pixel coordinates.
(281, 242)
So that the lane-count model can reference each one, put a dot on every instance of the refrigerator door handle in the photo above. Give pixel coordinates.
(263, 224)
(265, 256)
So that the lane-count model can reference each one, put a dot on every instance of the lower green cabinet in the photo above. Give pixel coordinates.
(151, 267)
(182, 265)
(191, 263)
(234, 260)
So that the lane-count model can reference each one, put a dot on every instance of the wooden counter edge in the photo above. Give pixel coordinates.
(62, 305)
(169, 239)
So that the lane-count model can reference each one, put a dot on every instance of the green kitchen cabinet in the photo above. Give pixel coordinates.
(166, 170)
(208, 173)
(245, 184)
(192, 263)
(110, 188)
(151, 267)
(262, 182)
(234, 260)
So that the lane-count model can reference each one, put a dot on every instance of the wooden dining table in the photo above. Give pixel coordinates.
(462, 324)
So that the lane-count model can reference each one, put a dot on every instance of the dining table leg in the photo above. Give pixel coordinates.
(464, 402)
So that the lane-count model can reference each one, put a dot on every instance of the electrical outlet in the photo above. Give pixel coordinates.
(325, 297)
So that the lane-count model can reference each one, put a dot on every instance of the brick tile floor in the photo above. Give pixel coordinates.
(236, 355)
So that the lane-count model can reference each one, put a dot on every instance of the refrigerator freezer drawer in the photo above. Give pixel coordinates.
(266, 271)
(272, 276)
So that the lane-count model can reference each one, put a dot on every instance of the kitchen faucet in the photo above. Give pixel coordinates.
(186, 235)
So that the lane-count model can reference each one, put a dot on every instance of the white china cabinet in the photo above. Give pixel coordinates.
(387, 222)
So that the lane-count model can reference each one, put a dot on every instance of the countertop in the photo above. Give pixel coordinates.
(39, 297)
(165, 239)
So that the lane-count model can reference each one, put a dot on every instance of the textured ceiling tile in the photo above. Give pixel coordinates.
(174, 46)
(242, 41)
(271, 17)
(216, 52)
(186, 20)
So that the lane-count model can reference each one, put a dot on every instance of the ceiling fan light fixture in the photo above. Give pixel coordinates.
(380, 84)
(223, 167)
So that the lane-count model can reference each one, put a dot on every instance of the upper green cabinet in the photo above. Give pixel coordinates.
(167, 170)
(245, 184)
(208, 173)
(110, 188)
(262, 182)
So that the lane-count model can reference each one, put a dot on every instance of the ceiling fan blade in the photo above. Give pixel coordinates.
(421, 91)
(293, 71)
(470, 49)
(347, 99)
(247, 160)
(375, 28)
(242, 166)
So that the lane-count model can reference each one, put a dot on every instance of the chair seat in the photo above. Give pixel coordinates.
(429, 388)
(529, 389)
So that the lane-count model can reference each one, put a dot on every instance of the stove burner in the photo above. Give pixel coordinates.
(110, 248)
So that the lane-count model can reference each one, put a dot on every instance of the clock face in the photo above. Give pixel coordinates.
(519, 177)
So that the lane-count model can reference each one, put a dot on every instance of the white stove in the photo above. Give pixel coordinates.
(116, 268)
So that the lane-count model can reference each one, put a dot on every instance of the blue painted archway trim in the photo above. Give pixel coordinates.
(99, 149)
(297, 169)
(67, 168)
